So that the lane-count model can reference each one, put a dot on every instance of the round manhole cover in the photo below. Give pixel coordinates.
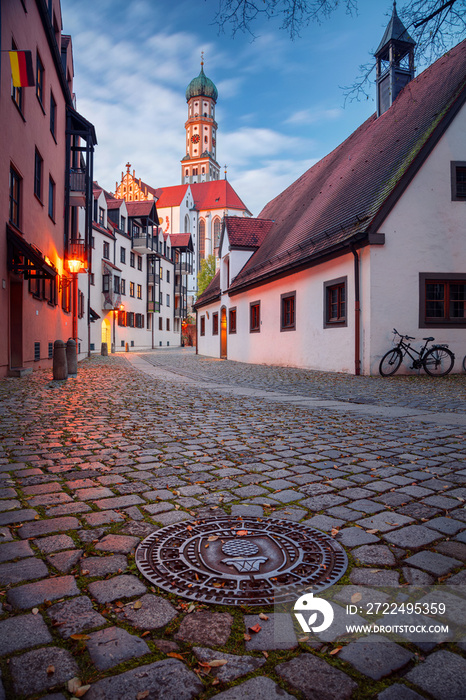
(240, 561)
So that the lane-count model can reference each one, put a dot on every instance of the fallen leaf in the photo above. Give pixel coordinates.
(334, 531)
(144, 634)
(247, 637)
(84, 572)
(137, 605)
(372, 532)
(35, 611)
(82, 691)
(50, 670)
(79, 637)
(335, 651)
(212, 538)
(174, 655)
(265, 654)
(242, 533)
(255, 629)
(356, 597)
(215, 663)
(142, 695)
(263, 617)
(73, 685)
(303, 639)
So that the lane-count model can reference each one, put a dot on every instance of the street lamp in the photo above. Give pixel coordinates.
(76, 262)
(116, 309)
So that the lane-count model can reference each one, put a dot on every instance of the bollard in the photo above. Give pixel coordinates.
(104, 350)
(60, 365)
(126, 347)
(71, 357)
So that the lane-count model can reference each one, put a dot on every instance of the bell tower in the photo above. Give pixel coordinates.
(199, 163)
(395, 62)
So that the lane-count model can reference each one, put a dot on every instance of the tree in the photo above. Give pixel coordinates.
(206, 273)
(435, 25)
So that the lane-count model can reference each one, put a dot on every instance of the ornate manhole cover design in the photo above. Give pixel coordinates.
(240, 561)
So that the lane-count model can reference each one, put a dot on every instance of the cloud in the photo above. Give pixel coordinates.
(314, 115)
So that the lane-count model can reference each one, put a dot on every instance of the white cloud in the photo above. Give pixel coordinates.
(314, 115)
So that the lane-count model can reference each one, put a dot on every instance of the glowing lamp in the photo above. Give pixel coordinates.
(74, 266)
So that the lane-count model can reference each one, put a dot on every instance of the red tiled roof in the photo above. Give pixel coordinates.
(246, 232)
(113, 203)
(349, 193)
(180, 240)
(170, 196)
(217, 194)
(143, 208)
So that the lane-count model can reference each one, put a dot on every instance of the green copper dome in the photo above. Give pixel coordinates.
(202, 85)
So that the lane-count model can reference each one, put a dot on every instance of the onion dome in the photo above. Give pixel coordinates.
(202, 85)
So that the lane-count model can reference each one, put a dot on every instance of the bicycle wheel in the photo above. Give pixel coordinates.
(390, 362)
(438, 361)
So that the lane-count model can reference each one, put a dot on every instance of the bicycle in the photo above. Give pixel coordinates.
(437, 360)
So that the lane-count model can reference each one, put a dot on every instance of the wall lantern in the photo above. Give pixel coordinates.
(76, 257)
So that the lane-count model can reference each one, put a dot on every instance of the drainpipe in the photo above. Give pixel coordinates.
(357, 311)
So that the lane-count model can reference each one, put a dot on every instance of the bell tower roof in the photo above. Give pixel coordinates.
(202, 85)
(395, 31)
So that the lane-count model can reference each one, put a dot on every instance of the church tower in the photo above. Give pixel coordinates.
(199, 163)
(395, 62)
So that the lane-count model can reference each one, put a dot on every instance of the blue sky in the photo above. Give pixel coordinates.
(280, 106)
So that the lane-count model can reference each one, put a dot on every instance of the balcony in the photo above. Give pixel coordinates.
(142, 242)
(181, 312)
(181, 291)
(183, 268)
(153, 307)
(77, 187)
(153, 278)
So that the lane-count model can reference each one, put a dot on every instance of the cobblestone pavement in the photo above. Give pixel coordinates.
(91, 466)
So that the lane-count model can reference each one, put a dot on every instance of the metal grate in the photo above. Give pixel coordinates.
(50, 351)
(36, 352)
(240, 561)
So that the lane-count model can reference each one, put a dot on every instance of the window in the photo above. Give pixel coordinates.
(217, 231)
(131, 259)
(53, 114)
(51, 199)
(80, 304)
(139, 291)
(123, 255)
(92, 242)
(442, 300)
(50, 291)
(168, 275)
(38, 168)
(121, 318)
(458, 181)
(139, 321)
(39, 79)
(168, 324)
(160, 323)
(92, 278)
(16, 92)
(215, 324)
(106, 250)
(131, 289)
(101, 216)
(288, 312)
(201, 239)
(254, 317)
(66, 294)
(139, 262)
(130, 319)
(232, 320)
(105, 283)
(335, 303)
(168, 300)
(202, 325)
(15, 197)
(123, 223)
(116, 285)
(123, 287)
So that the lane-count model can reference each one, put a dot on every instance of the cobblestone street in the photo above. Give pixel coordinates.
(91, 466)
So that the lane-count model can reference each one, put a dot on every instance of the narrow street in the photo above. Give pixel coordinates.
(91, 466)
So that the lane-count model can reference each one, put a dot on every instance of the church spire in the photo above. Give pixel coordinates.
(395, 62)
(200, 164)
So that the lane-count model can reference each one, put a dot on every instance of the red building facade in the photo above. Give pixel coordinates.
(46, 154)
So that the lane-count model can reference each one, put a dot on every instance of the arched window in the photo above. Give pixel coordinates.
(217, 230)
(186, 224)
(201, 239)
